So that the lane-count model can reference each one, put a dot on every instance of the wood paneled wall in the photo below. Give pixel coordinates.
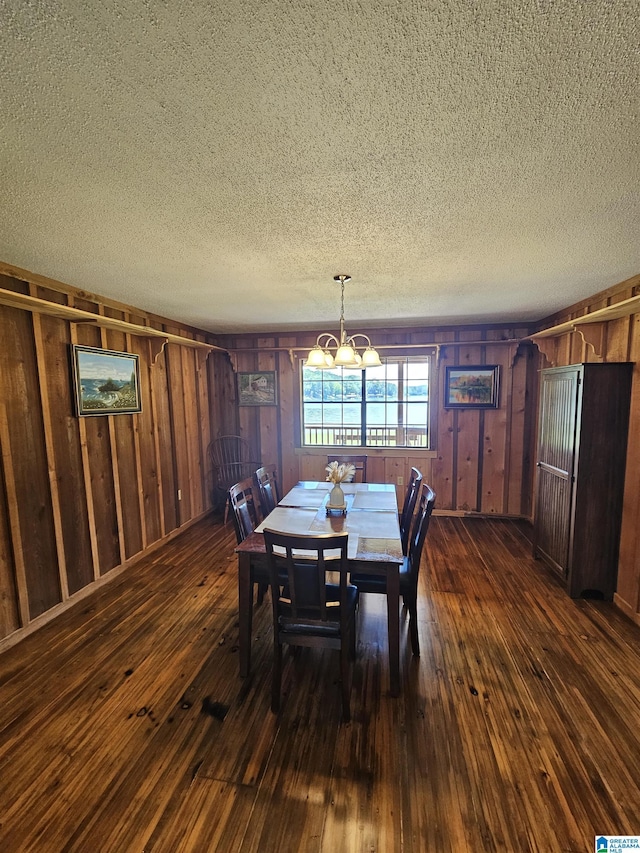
(80, 497)
(615, 340)
(482, 458)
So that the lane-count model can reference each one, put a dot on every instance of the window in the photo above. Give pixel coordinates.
(385, 406)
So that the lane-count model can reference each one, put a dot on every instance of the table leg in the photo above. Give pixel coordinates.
(245, 612)
(393, 627)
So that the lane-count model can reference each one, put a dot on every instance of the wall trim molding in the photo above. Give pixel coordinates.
(14, 299)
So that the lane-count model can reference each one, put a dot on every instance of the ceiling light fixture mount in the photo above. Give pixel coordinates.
(346, 354)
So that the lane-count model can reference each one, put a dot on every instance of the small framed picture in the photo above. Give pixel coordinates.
(258, 389)
(472, 387)
(105, 382)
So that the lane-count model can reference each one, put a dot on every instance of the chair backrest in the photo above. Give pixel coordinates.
(409, 506)
(419, 529)
(242, 502)
(359, 463)
(231, 459)
(299, 581)
(267, 482)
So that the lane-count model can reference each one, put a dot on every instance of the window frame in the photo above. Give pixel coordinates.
(432, 385)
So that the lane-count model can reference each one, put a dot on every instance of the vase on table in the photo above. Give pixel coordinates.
(336, 496)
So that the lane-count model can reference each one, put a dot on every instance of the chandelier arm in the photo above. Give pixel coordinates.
(352, 338)
(329, 338)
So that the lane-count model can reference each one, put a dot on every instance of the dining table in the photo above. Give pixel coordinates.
(374, 547)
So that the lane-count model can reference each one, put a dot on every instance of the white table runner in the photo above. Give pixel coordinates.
(360, 524)
(361, 498)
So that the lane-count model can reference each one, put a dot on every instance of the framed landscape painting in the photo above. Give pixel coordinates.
(258, 389)
(106, 382)
(472, 387)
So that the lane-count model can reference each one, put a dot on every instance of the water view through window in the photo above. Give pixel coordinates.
(386, 406)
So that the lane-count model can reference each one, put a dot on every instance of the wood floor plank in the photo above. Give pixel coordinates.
(364, 810)
(132, 806)
(112, 692)
(210, 815)
(124, 725)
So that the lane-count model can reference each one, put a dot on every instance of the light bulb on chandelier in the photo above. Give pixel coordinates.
(346, 353)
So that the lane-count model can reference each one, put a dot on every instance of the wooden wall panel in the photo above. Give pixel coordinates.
(125, 463)
(390, 469)
(377, 467)
(146, 451)
(146, 440)
(517, 437)
(25, 433)
(289, 417)
(469, 427)
(311, 467)
(204, 426)
(67, 455)
(629, 559)
(192, 431)
(496, 423)
(563, 351)
(179, 432)
(618, 339)
(222, 396)
(9, 609)
(103, 493)
(442, 467)
(98, 459)
(269, 416)
(81, 496)
(248, 416)
(128, 482)
(45, 402)
(160, 389)
(13, 518)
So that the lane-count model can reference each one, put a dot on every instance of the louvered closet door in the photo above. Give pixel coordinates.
(555, 462)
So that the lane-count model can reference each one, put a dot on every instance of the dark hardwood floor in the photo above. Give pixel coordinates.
(124, 725)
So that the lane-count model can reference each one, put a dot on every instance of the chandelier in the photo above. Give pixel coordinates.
(346, 353)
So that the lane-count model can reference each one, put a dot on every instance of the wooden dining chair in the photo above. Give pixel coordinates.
(266, 479)
(244, 512)
(409, 507)
(231, 461)
(410, 566)
(243, 508)
(308, 610)
(359, 462)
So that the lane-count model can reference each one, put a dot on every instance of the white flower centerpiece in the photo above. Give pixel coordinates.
(339, 472)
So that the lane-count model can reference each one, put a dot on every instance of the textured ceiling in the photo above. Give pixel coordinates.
(218, 162)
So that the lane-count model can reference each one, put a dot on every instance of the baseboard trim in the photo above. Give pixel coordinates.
(464, 513)
(623, 605)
